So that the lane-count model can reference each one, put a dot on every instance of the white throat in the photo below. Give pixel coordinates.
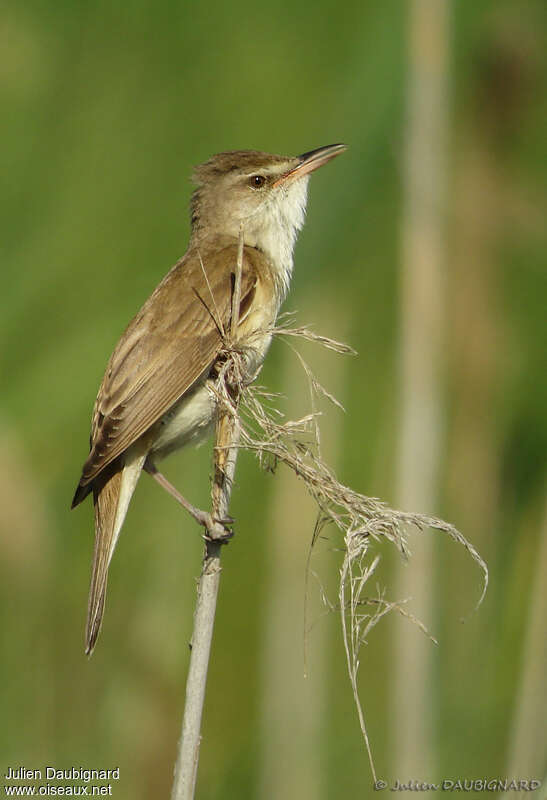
(273, 228)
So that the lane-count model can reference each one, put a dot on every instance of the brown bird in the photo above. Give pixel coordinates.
(155, 395)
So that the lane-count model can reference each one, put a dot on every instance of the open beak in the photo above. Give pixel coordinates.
(311, 161)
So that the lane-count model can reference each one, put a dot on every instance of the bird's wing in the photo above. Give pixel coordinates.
(173, 341)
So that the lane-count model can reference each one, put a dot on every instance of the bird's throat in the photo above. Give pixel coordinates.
(273, 230)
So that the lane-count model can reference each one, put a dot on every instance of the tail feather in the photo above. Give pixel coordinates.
(111, 498)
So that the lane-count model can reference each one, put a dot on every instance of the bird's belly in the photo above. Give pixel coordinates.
(189, 420)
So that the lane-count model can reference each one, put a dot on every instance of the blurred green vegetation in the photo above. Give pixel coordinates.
(106, 107)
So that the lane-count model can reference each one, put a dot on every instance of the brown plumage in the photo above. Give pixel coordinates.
(172, 341)
(155, 395)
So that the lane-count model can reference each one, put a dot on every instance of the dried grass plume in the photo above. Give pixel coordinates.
(362, 521)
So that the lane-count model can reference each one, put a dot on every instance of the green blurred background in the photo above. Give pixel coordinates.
(106, 106)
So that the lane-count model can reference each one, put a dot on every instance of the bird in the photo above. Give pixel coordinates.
(156, 394)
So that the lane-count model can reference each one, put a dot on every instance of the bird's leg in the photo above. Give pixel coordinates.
(216, 529)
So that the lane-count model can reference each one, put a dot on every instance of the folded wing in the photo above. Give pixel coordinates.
(172, 342)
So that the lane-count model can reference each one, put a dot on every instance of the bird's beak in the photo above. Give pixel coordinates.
(308, 162)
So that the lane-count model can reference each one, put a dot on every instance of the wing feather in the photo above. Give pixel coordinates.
(171, 343)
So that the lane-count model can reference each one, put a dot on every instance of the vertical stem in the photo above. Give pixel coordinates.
(227, 440)
(187, 762)
(527, 750)
(420, 349)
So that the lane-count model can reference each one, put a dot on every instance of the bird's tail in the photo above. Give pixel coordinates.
(111, 499)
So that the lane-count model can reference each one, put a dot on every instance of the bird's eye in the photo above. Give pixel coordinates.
(256, 181)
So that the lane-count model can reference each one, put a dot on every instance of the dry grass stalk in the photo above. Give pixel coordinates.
(248, 418)
(362, 520)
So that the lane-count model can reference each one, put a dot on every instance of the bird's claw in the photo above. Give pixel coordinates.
(217, 530)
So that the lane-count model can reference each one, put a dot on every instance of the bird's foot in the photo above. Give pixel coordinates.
(216, 530)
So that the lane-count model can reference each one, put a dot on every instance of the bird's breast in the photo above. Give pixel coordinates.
(255, 329)
(190, 419)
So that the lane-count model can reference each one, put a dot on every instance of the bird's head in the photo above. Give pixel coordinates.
(266, 193)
